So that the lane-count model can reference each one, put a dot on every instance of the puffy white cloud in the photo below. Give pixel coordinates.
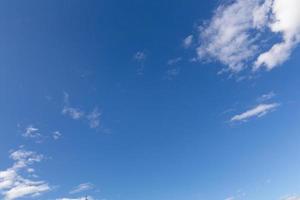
(226, 37)
(286, 22)
(82, 187)
(237, 34)
(258, 111)
(13, 185)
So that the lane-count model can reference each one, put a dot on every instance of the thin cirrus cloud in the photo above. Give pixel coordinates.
(74, 113)
(266, 97)
(31, 132)
(258, 111)
(187, 42)
(56, 135)
(173, 71)
(140, 57)
(82, 187)
(237, 33)
(79, 198)
(92, 117)
(293, 197)
(14, 181)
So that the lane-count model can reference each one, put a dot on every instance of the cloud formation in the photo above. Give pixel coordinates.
(258, 111)
(82, 187)
(266, 97)
(291, 198)
(79, 198)
(13, 185)
(187, 42)
(239, 33)
(74, 113)
(56, 135)
(31, 132)
(92, 117)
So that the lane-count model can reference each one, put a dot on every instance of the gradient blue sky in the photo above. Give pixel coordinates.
(111, 97)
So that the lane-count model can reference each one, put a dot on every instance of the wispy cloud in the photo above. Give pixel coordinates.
(172, 73)
(82, 187)
(258, 111)
(187, 42)
(93, 117)
(73, 112)
(293, 197)
(236, 34)
(140, 57)
(266, 97)
(174, 61)
(78, 198)
(13, 185)
(31, 132)
(56, 135)
(230, 198)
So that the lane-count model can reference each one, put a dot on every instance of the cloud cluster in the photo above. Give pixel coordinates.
(13, 185)
(238, 33)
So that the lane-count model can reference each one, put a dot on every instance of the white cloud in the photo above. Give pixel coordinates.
(286, 22)
(174, 61)
(237, 34)
(258, 111)
(230, 198)
(72, 112)
(94, 118)
(266, 97)
(56, 135)
(13, 185)
(226, 37)
(291, 198)
(187, 42)
(82, 187)
(79, 198)
(31, 132)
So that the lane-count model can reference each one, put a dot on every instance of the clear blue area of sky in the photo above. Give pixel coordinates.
(159, 139)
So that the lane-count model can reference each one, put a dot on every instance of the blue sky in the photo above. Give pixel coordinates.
(131, 100)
